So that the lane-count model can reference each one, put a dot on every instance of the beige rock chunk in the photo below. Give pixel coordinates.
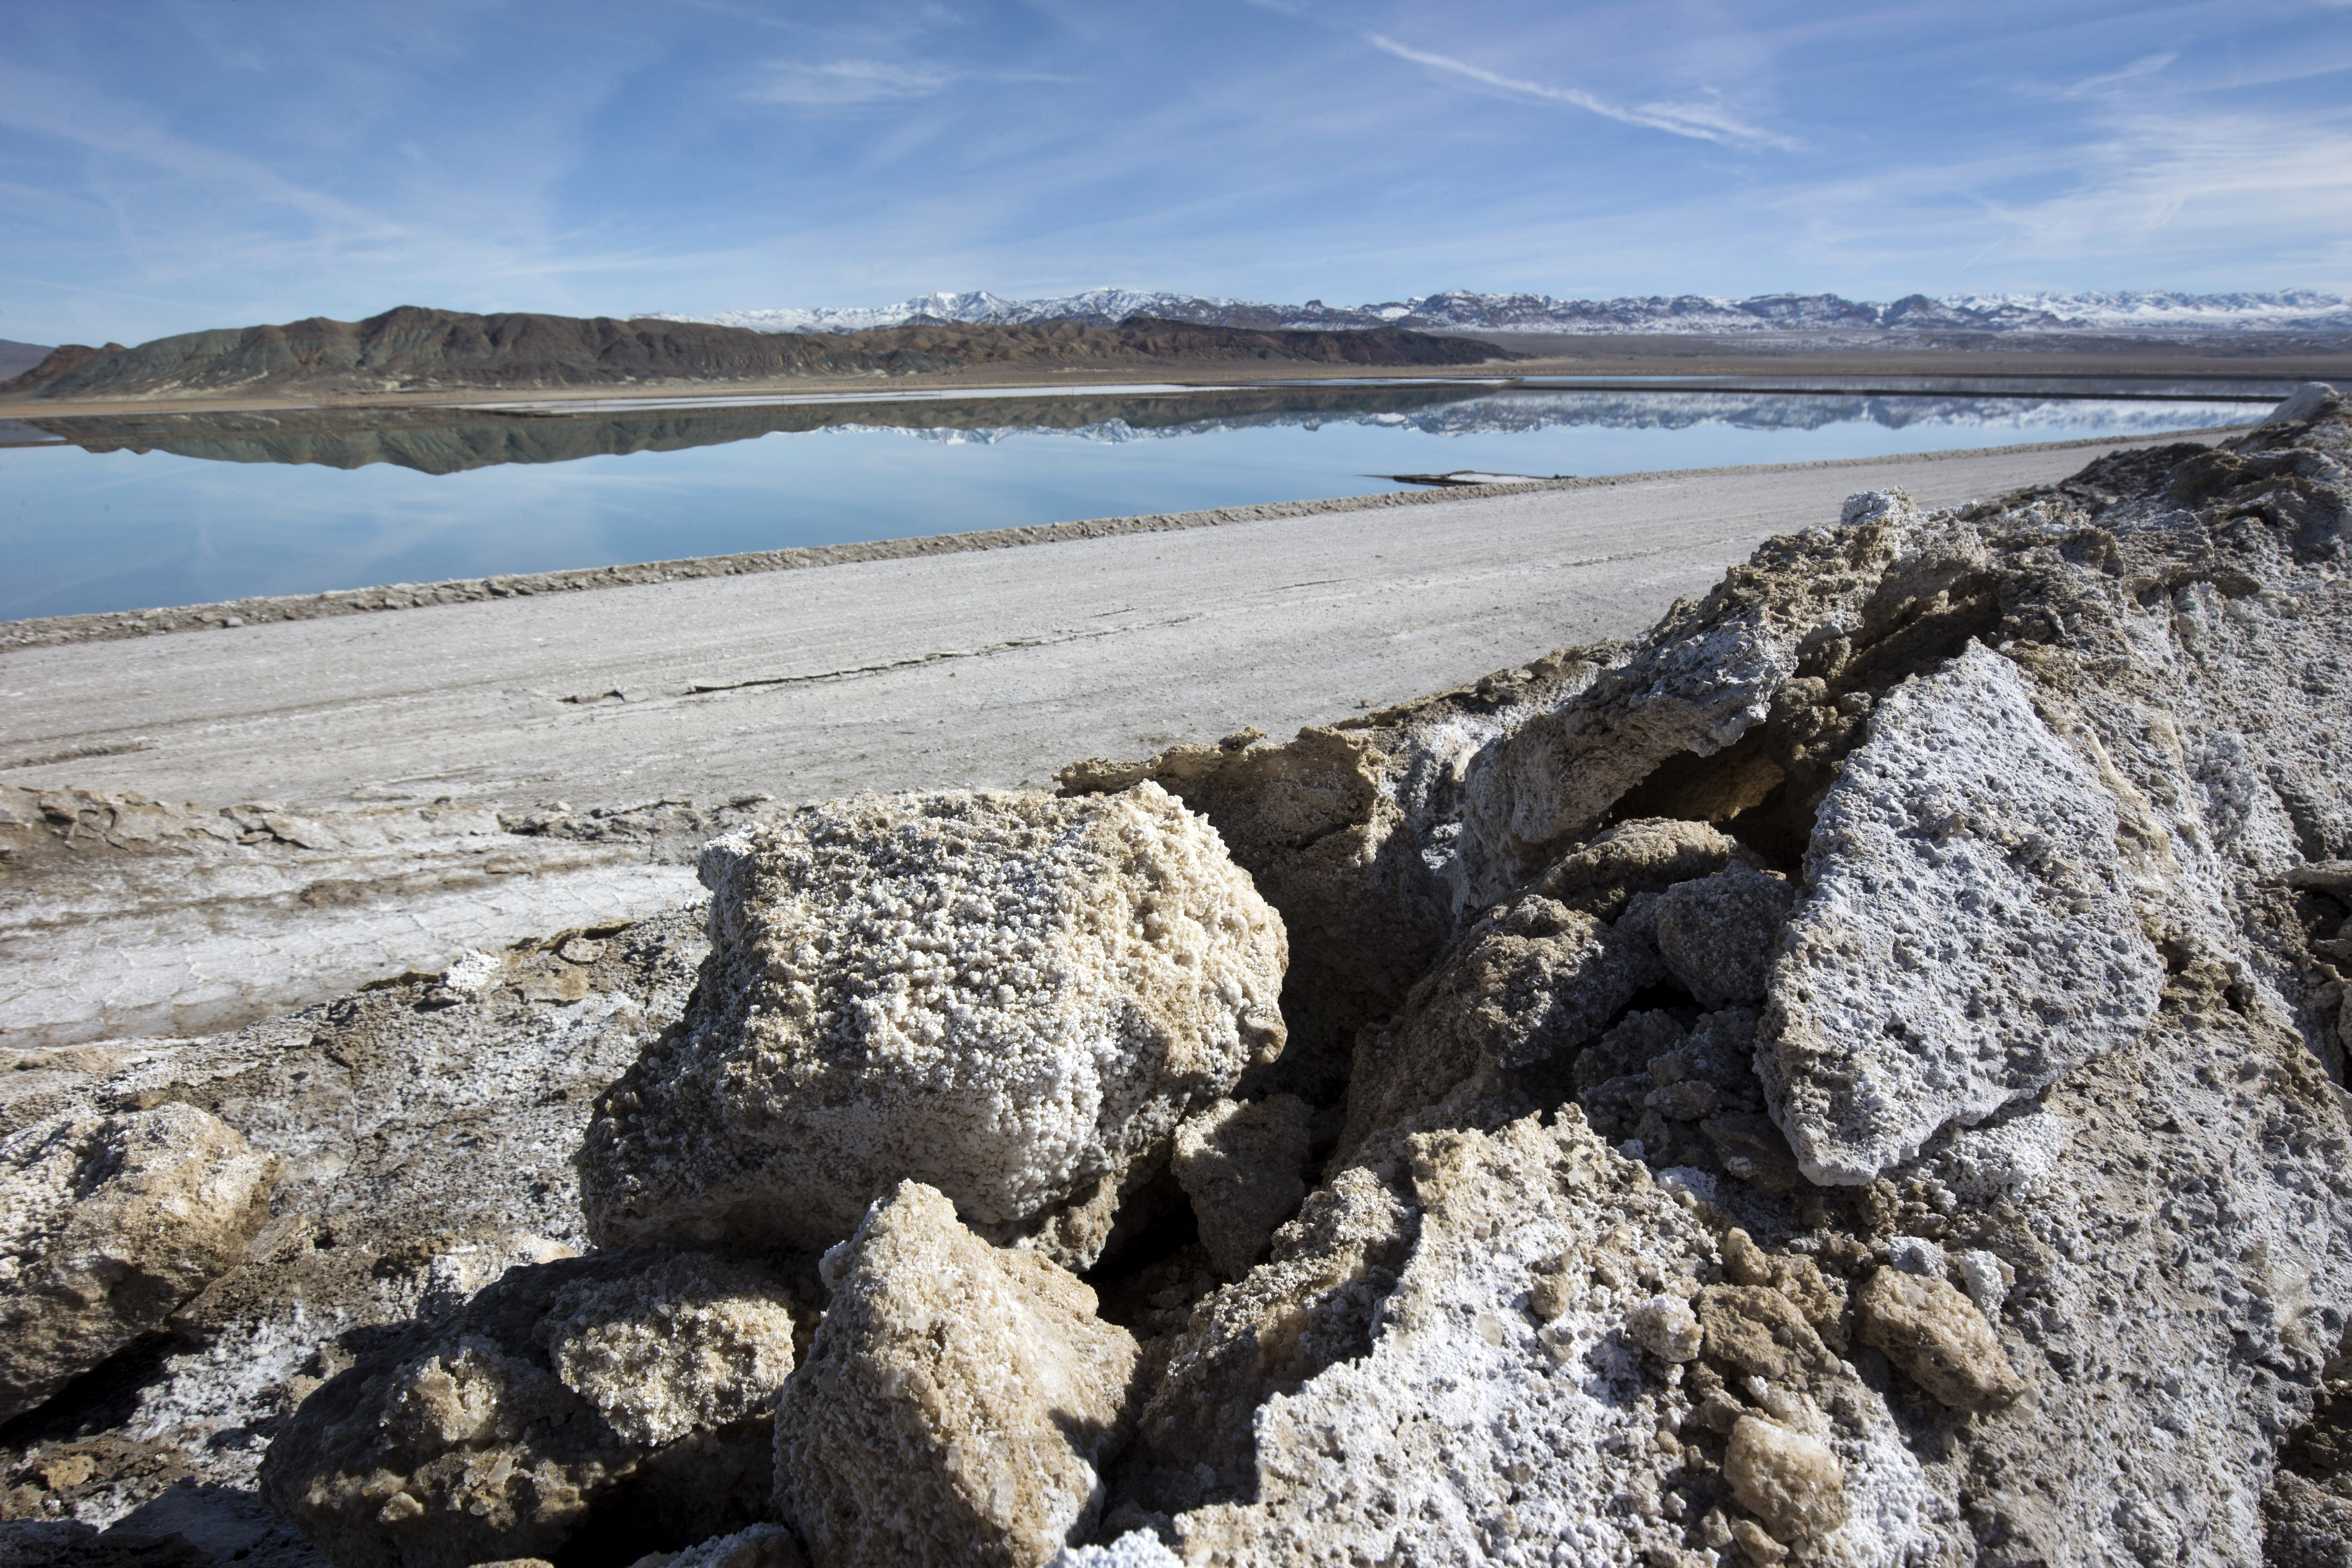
(957, 1401)
(1756, 1544)
(1239, 1162)
(1318, 827)
(108, 1223)
(1755, 1331)
(1935, 1333)
(1719, 933)
(1792, 1481)
(1526, 982)
(687, 1345)
(634, 1379)
(1010, 998)
(1647, 856)
(1665, 1327)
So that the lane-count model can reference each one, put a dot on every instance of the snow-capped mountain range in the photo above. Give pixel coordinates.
(2130, 313)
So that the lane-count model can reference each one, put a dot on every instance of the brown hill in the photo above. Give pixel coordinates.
(414, 349)
(16, 358)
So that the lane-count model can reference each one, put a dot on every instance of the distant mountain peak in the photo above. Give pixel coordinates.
(2137, 312)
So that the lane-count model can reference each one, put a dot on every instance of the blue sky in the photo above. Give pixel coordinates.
(165, 166)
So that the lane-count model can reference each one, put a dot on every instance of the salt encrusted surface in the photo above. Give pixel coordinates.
(957, 1403)
(1008, 997)
(1503, 1415)
(108, 1223)
(633, 1384)
(1968, 935)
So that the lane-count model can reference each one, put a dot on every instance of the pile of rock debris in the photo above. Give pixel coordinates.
(1855, 1076)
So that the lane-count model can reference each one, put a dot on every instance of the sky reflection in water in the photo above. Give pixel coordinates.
(219, 507)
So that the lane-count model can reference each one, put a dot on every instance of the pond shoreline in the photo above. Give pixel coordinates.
(110, 625)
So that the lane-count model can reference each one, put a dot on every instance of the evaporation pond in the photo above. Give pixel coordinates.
(127, 511)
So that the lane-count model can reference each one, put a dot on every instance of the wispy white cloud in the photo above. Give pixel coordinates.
(873, 81)
(1701, 121)
(45, 106)
(2161, 193)
(2170, 176)
(2147, 64)
(850, 81)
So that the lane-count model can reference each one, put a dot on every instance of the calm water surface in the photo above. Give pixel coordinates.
(119, 513)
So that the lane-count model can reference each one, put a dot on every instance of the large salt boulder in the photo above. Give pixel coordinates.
(630, 1391)
(1010, 998)
(957, 1401)
(108, 1223)
(1967, 936)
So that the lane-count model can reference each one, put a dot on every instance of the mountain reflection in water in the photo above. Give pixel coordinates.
(455, 441)
(119, 511)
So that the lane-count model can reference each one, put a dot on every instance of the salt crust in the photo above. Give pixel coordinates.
(1011, 997)
(108, 1223)
(1478, 1428)
(1967, 937)
(957, 1400)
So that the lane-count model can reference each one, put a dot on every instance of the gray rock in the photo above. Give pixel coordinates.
(1648, 856)
(1967, 936)
(1531, 980)
(107, 1224)
(1240, 1164)
(1718, 934)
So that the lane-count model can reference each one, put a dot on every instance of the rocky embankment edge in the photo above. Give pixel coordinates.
(263, 610)
(1852, 1075)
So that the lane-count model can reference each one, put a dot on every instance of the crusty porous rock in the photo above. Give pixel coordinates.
(1792, 1481)
(759, 1546)
(1313, 1302)
(1718, 934)
(958, 1403)
(1649, 855)
(1012, 997)
(1935, 1333)
(107, 1224)
(1240, 1164)
(634, 1385)
(1499, 1405)
(1967, 936)
(1532, 980)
